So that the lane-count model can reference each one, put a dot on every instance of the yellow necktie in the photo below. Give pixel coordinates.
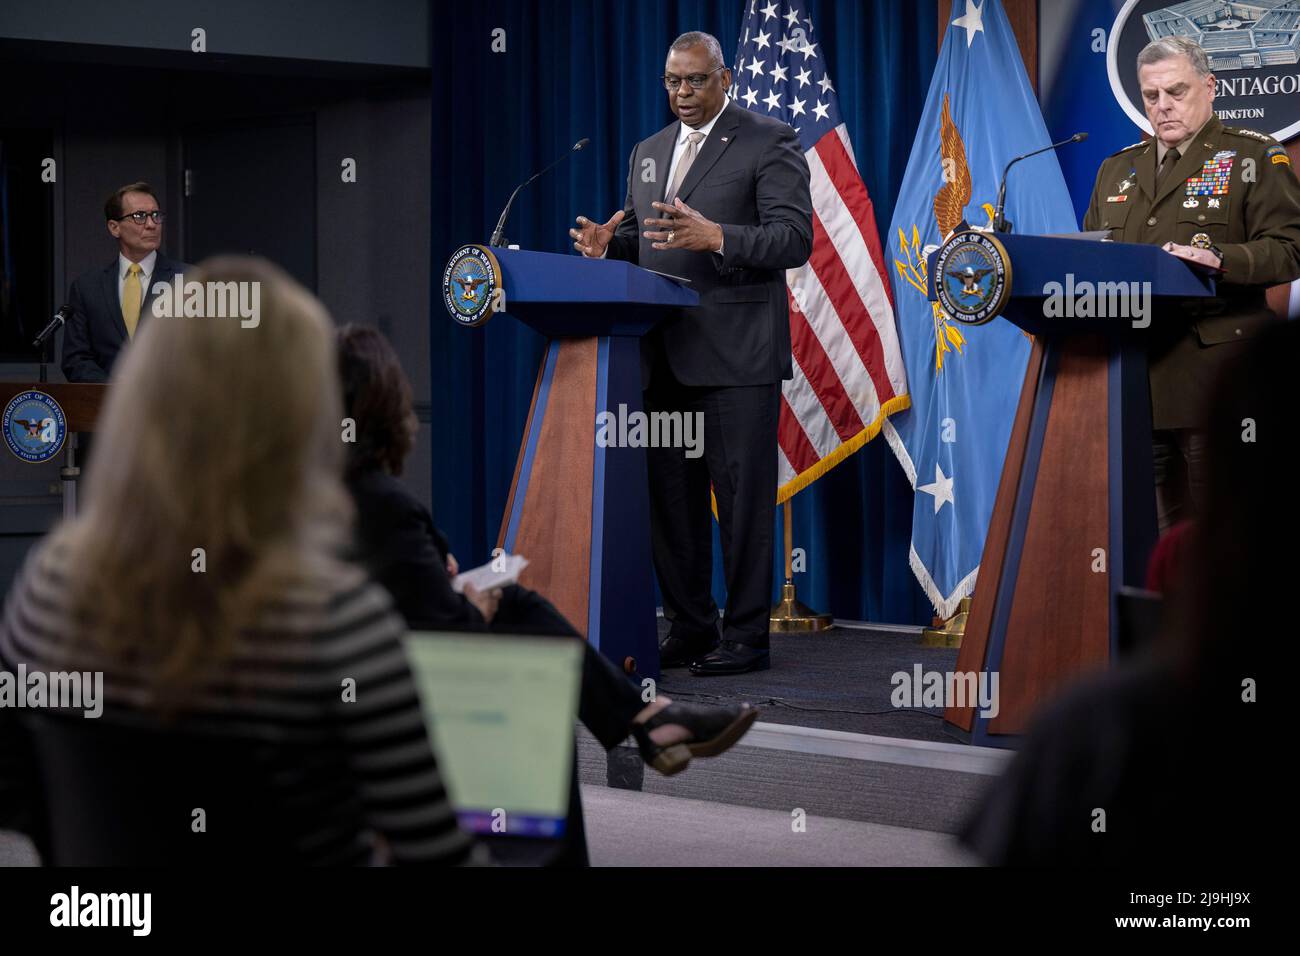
(131, 297)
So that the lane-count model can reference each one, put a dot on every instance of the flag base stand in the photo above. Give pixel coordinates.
(953, 630)
(791, 614)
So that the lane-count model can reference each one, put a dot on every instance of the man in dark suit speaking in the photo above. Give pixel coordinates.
(720, 198)
(109, 303)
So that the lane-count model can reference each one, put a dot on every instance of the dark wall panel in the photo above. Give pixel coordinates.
(381, 32)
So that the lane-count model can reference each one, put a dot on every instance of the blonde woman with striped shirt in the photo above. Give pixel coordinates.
(227, 438)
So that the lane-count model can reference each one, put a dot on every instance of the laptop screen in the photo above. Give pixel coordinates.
(500, 712)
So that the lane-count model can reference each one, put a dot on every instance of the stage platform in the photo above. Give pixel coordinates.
(880, 785)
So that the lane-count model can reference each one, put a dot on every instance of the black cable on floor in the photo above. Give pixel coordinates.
(778, 702)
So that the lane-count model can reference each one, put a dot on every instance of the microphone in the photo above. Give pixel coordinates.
(501, 223)
(60, 317)
(1000, 223)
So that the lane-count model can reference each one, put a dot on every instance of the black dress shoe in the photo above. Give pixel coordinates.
(713, 730)
(732, 657)
(678, 651)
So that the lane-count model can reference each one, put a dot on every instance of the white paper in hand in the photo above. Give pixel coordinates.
(502, 570)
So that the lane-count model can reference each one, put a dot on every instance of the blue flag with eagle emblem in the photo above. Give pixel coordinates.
(965, 380)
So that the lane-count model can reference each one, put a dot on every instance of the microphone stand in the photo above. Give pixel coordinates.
(1000, 223)
(41, 341)
(505, 213)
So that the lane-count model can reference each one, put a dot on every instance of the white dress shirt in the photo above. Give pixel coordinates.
(146, 272)
(683, 136)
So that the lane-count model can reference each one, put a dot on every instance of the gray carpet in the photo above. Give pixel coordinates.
(837, 679)
(895, 795)
(840, 680)
(646, 829)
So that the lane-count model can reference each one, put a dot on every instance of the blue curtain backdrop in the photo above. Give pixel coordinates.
(589, 68)
(1074, 90)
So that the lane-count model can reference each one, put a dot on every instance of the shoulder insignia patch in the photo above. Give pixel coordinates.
(1278, 155)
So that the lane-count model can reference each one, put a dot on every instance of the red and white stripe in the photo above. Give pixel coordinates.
(848, 368)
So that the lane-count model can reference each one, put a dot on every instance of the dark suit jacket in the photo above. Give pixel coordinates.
(751, 178)
(405, 552)
(96, 331)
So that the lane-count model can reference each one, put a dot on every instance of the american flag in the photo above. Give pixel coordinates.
(848, 368)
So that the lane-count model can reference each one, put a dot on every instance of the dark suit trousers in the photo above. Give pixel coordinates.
(1178, 457)
(740, 461)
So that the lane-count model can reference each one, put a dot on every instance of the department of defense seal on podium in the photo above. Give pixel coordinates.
(34, 426)
(471, 285)
(972, 277)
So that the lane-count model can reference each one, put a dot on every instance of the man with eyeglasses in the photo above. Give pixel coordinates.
(110, 303)
(721, 198)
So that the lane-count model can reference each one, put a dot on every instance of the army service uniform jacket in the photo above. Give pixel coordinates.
(1234, 189)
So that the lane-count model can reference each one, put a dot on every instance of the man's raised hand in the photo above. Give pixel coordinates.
(591, 238)
(683, 228)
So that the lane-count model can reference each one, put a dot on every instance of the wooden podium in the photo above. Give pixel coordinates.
(81, 403)
(1074, 517)
(577, 510)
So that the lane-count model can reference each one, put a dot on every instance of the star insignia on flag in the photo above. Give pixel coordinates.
(941, 488)
(972, 22)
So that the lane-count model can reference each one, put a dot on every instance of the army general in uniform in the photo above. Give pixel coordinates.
(1221, 197)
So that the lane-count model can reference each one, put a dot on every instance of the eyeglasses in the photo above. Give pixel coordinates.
(153, 215)
(697, 80)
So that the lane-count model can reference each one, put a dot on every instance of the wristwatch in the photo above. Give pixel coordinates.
(1202, 241)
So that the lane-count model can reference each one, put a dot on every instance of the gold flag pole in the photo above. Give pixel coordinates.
(789, 614)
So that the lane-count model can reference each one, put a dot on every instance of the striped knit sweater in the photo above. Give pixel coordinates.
(284, 682)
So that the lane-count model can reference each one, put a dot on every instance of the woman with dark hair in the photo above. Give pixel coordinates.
(407, 554)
